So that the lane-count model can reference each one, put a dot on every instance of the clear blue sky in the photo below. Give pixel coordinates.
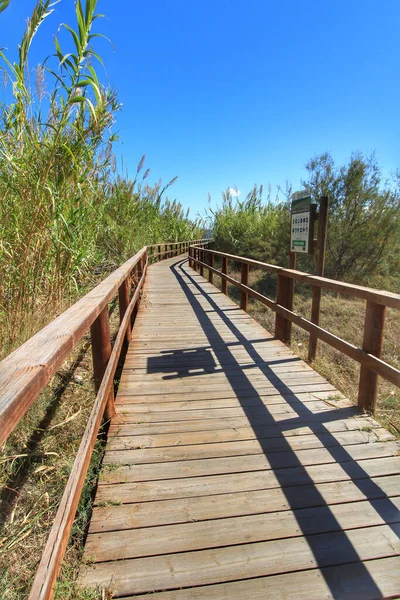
(237, 92)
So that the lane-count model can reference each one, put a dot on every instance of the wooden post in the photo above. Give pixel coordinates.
(101, 350)
(372, 343)
(159, 253)
(190, 258)
(123, 298)
(292, 265)
(244, 297)
(202, 260)
(137, 273)
(224, 283)
(319, 270)
(211, 263)
(282, 298)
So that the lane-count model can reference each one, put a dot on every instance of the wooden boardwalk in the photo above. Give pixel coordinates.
(235, 471)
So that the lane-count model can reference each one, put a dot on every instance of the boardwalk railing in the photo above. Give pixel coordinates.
(369, 356)
(26, 372)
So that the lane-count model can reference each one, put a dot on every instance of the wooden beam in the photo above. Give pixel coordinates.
(123, 298)
(372, 343)
(244, 297)
(282, 298)
(224, 283)
(210, 273)
(319, 270)
(201, 258)
(101, 351)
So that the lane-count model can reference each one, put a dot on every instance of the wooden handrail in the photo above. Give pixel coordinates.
(388, 299)
(27, 371)
(50, 564)
(369, 356)
(182, 247)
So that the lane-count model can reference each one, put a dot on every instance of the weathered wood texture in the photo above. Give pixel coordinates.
(232, 469)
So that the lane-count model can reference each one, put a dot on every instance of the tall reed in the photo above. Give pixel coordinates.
(63, 210)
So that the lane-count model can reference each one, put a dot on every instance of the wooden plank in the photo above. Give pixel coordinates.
(244, 561)
(155, 439)
(221, 506)
(294, 423)
(184, 537)
(241, 389)
(137, 455)
(342, 582)
(253, 462)
(184, 381)
(121, 484)
(172, 402)
(131, 414)
(288, 419)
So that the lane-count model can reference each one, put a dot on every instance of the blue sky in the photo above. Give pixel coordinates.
(229, 92)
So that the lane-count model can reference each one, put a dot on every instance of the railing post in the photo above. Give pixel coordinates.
(319, 270)
(282, 298)
(138, 274)
(224, 283)
(372, 343)
(292, 265)
(123, 298)
(202, 260)
(211, 263)
(159, 253)
(101, 350)
(244, 297)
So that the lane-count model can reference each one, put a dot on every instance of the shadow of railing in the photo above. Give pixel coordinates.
(257, 413)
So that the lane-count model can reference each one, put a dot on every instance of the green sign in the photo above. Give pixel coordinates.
(300, 222)
(301, 205)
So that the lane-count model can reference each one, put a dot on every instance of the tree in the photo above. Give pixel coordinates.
(364, 215)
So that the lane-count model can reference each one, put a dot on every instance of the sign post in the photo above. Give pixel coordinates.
(319, 270)
(303, 214)
(302, 223)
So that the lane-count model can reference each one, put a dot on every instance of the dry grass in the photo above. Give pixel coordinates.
(344, 317)
(34, 467)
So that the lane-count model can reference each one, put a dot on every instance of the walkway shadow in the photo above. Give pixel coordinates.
(258, 412)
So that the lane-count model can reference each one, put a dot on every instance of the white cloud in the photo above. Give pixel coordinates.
(234, 192)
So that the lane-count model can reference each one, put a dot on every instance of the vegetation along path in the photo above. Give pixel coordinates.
(233, 469)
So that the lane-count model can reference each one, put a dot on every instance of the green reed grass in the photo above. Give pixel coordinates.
(65, 216)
